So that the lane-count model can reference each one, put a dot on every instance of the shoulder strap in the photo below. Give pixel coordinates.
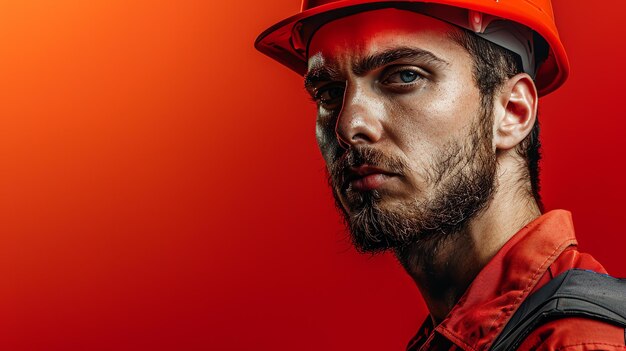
(574, 293)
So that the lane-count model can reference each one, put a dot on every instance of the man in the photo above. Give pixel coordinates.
(427, 121)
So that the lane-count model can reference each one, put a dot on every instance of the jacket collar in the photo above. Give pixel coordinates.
(503, 284)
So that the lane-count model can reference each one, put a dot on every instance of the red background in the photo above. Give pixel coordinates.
(160, 186)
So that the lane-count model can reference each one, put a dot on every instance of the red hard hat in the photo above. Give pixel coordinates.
(286, 41)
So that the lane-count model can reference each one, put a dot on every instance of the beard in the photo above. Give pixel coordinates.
(462, 181)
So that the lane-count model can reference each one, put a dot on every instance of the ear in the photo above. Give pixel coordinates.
(517, 108)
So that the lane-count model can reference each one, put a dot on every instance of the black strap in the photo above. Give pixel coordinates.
(574, 293)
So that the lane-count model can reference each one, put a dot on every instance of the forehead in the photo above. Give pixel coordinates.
(349, 38)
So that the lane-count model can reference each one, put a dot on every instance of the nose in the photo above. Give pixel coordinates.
(359, 121)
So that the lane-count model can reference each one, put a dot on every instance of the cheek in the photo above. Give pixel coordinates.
(426, 125)
(325, 136)
(429, 120)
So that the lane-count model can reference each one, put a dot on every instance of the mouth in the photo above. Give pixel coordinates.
(365, 178)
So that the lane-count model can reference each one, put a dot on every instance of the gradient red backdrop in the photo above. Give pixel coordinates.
(160, 186)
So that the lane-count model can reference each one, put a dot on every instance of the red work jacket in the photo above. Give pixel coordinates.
(539, 252)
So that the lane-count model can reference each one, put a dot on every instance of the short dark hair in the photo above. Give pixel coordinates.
(493, 65)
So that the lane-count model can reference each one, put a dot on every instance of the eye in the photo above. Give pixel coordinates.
(403, 76)
(329, 96)
(408, 76)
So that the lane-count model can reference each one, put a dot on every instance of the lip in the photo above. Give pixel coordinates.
(366, 177)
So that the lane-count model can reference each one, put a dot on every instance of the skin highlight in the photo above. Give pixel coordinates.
(392, 88)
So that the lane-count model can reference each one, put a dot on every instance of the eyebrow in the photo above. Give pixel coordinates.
(320, 74)
(372, 62)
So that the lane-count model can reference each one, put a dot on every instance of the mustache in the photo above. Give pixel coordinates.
(363, 155)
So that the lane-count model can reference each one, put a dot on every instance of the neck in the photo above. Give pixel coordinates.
(444, 269)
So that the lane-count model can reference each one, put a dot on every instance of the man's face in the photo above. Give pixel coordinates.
(406, 140)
